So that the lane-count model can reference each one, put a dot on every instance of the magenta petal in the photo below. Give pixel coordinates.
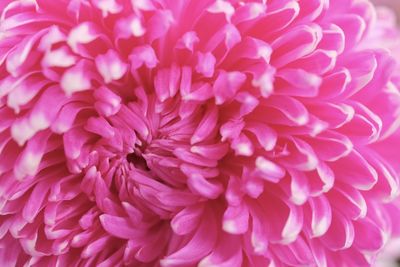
(197, 247)
(118, 226)
(110, 66)
(321, 216)
(236, 219)
(340, 234)
(187, 220)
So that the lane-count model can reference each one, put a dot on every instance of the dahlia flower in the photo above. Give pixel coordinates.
(197, 133)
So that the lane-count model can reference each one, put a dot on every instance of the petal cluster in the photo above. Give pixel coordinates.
(197, 133)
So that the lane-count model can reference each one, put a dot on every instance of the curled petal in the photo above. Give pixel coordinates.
(236, 219)
(340, 234)
(110, 66)
(187, 220)
(321, 216)
(197, 247)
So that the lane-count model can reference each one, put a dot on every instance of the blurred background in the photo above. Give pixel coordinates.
(390, 257)
(393, 4)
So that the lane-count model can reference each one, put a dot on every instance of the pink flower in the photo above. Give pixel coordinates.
(197, 133)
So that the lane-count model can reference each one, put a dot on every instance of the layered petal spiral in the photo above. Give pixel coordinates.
(197, 133)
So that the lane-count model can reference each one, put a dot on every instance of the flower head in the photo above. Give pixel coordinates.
(197, 133)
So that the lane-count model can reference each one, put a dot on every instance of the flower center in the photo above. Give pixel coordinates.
(137, 160)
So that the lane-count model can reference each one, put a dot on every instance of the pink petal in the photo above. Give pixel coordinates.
(196, 248)
(205, 64)
(187, 220)
(110, 66)
(269, 170)
(198, 184)
(340, 234)
(236, 219)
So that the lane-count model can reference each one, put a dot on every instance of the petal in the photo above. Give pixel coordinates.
(331, 146)
(108, 103)
(27, 164)
(187, 41)
(40, 117)
(100, 126)
(297, 82)
(298, 42)
(233, 193)
(269, 170)
(333, 39)
(187, 220)
(119, 227)
(110, 66)
(143, 55)
(205, 64)
(318, 252)
(349, 201)
(222, 7)
(362, 67)
(336, 115)
(76, 79)
(214, 151)
(319, 62)
(242, 145)
(159, 24)
(293, 225)
(206, 126)
(248, 103)
(61, 57)
(200, 92)
(387, 186)
(368, 236)
(226, 85)
(95, 247)
(24, 92)
(365, 127)
(353, 26)
(335, 84)
(231, 129)
(74, 140)
(299, 189)
(265, 135)
(259, 236)
(236, 219)
(300, 156)
(355, 171)
(18, 59)
(83, 33)
(295, 254)
(66, 117)
(110, 6)
(340, 234)
(248, 11)
(197, 247)
(36, 201)
(289, 107)
(226, 253)
(198, 184)
(321, 216)
(166, 82)
(277, 19)
(194, 159)
(129, 26)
